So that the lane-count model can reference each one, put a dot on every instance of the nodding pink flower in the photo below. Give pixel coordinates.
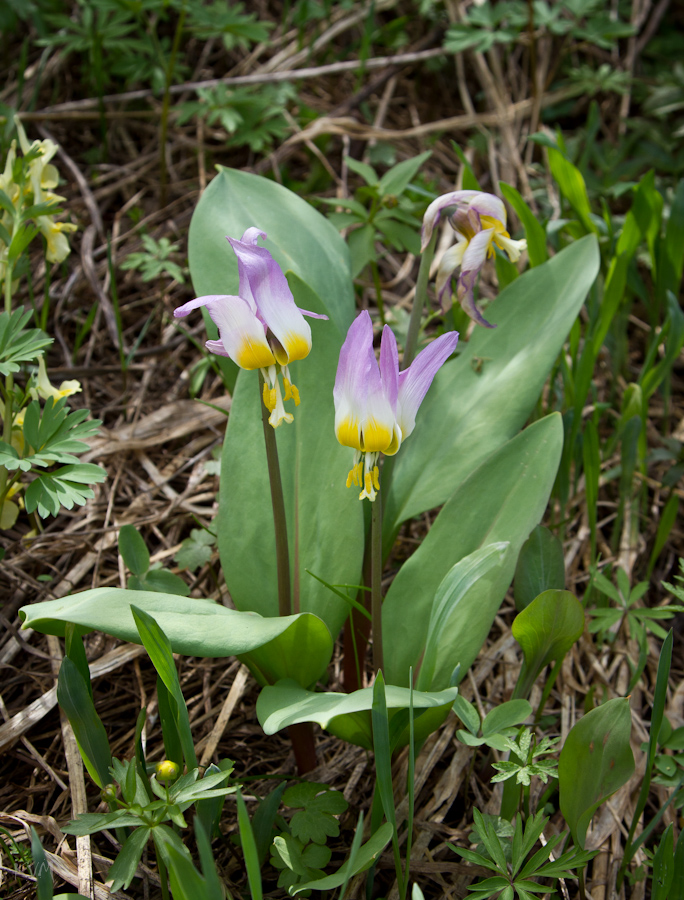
(479, 221)
(376, 405)
(261, 328)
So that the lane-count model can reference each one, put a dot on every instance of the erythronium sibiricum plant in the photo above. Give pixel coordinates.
(261, 328)
(479, 222)
(376, 406)
(375, 410)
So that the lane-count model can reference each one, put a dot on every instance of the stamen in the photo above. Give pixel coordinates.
(278, 414)
(288, 389)
(295, 394)
(376, 478)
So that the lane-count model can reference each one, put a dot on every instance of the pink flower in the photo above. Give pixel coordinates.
(376, 406)
(261, 328)
(479, 221)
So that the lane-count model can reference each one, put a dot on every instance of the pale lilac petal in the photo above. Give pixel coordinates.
(312, 315)
(488, 205)
(364, 417)
(217, 348)
(262, 279)
(450, 261)
(389, 365)
(473, 261)
(477, 250)
(243, 336)
(351, 381)
(434, 211)
(181, 311)
(415, 381)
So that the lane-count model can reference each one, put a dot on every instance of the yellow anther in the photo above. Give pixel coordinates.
(368, 484)
(267, 397)
(273, 399)
(288, 389)
(376, 478)
(350, 477)
(295, 394)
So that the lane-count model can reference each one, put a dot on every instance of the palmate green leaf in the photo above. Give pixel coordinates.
(299, 237)
(469, 414)
(63, 488)
(292, 646)
(595, 761)
(501, 501)
(324, 518)
(364, 859)
(345, 715)
(17, 343)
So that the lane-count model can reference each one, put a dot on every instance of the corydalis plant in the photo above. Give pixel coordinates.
(376, 406)
(261, 328)
(479, 222)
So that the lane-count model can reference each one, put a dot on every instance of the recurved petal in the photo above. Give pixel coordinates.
(488, 205)
(473, 260)
(242, 334)
(415, 381)
(434, 211)
(262, 279)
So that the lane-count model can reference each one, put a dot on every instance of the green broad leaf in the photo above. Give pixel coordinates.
(366, 856)
(453, 588)
(318, 805)
(501, 501)
(345, 715)
(595, 761)
(506, 715)
(468, 714)
(571, 183)
(299, 237)
(546, 630)
(534, 230)
(541, 567)
(366, 172)
(361, 243)
(133, 550)
(75, 698)
(163, 581)
(186, 882)
(196, 550)
(471, 411)
(273, 648)
(394, 182)
(122, 870)
(324, 519)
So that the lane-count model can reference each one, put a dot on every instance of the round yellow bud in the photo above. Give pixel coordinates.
(167, 771)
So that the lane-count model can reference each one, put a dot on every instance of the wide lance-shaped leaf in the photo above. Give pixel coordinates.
(346, 715)
(481, 399)
(596, 760)
(197, 628)
(451, 591)
(548, 627)
(77, 702)
(324, 518)
(541, 567)
(299, 237)
(501, 501)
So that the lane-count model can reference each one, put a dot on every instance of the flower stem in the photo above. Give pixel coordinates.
(9, 391)
(419, 301)
(376, 582)
(279, 520)
(378, 290)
